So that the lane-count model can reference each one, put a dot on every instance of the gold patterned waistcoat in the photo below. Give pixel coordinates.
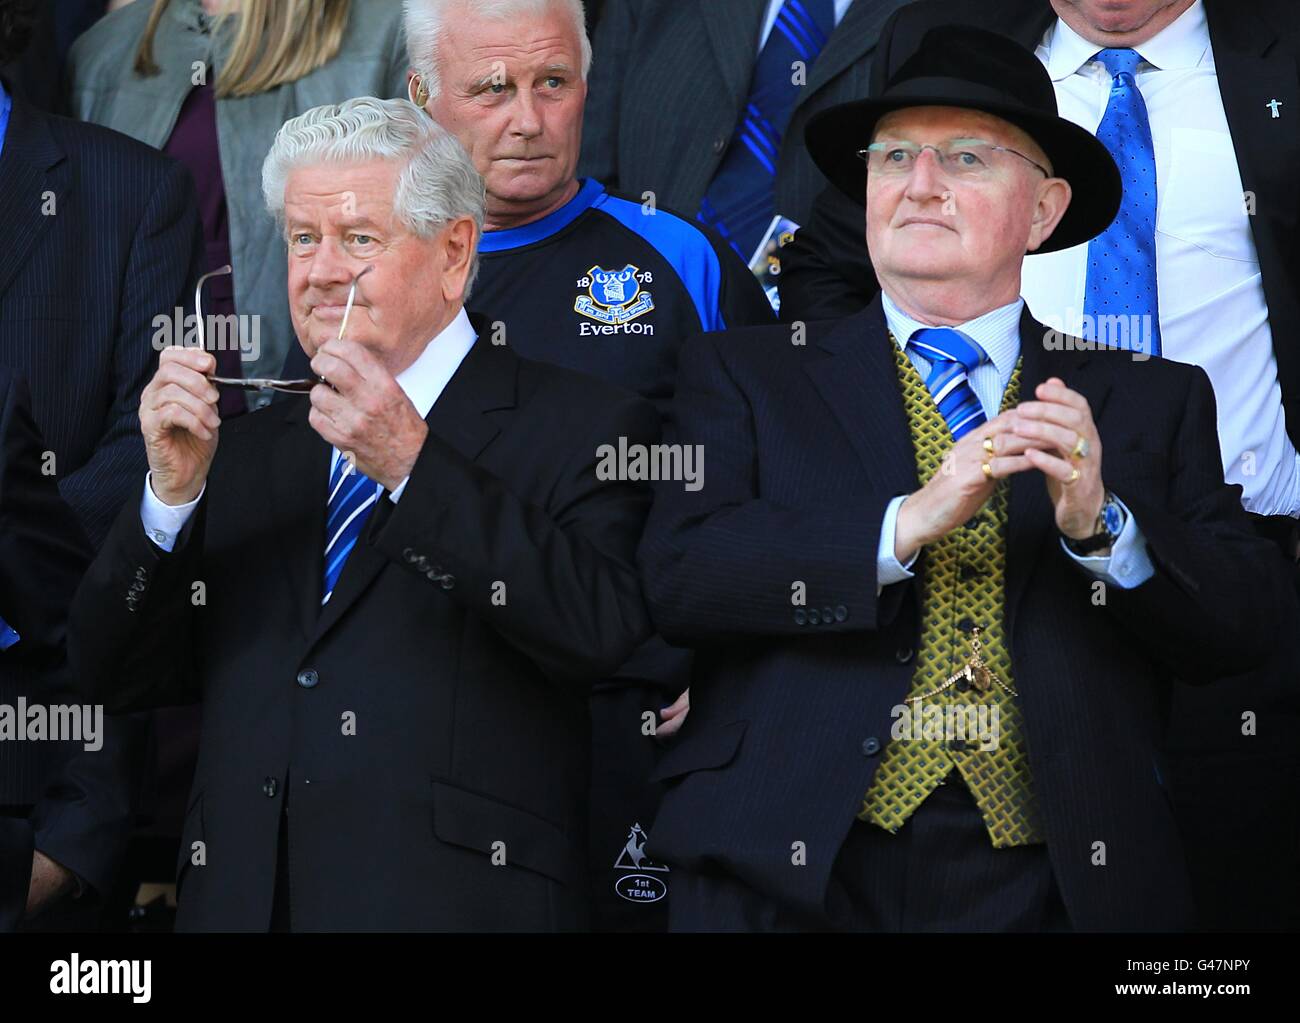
(962, 584)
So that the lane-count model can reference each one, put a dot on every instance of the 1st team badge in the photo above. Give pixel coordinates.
(614, 296)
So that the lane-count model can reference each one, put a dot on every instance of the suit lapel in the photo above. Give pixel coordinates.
(1252, 72)
(859, 382)
(732, 27)
(1031, 520)
(300, 462)
(466, 417)
(853, 38)
(35, 177)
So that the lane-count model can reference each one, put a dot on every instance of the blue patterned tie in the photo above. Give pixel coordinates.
(952, 356)
(8, 637)
(740, 202)
(352, 496)
(1122, 260)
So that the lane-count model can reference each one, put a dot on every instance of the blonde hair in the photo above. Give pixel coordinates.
(276, 42)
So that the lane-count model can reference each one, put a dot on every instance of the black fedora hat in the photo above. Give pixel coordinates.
(958, 66)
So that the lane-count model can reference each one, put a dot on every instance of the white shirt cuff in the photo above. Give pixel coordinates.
(889, 569)
(1129, 563)
(396, 493)
(163, 522)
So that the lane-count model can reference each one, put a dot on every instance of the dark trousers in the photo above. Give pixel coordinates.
(940, 872)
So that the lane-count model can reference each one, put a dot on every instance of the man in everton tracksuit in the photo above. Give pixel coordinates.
(573, 275)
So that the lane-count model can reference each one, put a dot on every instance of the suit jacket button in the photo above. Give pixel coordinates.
(800, 616)
(841, 613)
(448, 581)
(409, 555)
(870, 747)
(814, 616)
(903, 654)
(307, 679)
(269, 788)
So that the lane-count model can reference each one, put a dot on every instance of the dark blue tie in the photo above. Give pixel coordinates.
(352, 497)
(952, 357)
(1121, 300)
(740, 202)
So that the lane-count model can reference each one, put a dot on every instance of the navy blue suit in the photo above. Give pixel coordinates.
(791, 706)
(101, 236)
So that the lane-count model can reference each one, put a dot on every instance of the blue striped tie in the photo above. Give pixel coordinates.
(740, 201)
(952, 356)
(352, 496)
(1121, 286)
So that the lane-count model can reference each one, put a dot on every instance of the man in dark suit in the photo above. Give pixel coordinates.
(391, 597)
(64, 805)
(101, 237)
(934, 511)
(1219, 87)
(703, 102)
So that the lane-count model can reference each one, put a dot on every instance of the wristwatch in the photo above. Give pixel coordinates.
(1110, 523)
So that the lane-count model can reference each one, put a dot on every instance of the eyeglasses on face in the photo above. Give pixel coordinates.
(966, 159)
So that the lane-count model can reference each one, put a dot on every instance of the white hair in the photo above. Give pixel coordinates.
(438, 182)
(425, 20)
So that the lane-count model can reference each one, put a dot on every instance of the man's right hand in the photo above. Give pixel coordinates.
(960, 488)
(178, 417)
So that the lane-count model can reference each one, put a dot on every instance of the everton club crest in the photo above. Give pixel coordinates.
(614, 296)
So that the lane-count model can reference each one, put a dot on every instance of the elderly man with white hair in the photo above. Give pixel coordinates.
(575, 275)
(392, 593)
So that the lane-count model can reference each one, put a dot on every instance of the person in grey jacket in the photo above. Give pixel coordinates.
(210, 82)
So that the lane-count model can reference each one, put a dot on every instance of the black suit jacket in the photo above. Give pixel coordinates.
(80, 800)
(826, 270)
(791, 707)
(460, 642)
(101, 236)
(669, 83)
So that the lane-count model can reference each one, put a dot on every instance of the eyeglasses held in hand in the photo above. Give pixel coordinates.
(268, 383)
(966, 159)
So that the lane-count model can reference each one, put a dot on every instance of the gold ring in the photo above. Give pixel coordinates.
(988, 446)
(988, 469)
(1080, 447)
(1074, 477)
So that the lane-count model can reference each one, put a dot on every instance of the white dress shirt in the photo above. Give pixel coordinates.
(774, 8)
(422, 382)
(998, 333)
(1213, 312)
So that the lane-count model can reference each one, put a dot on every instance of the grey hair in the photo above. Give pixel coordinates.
(425, 19)
(437, 184)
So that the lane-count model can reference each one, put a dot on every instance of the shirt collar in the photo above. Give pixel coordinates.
(424, 379)
(540, 230)
(997, 331)
(1183, 43)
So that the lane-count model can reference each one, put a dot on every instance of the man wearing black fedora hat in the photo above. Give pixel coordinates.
(947, 559)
